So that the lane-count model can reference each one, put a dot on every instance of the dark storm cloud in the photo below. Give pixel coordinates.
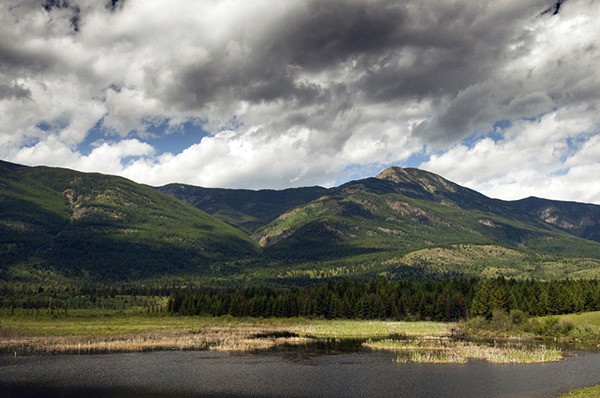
(48, 5)
(324, 34)
(378, 51)
(317, 38)
(555, 9)
(75, 11)
(114, 5)
(18, 59)
(14, 91)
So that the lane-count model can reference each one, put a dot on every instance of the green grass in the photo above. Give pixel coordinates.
(97, 322)
(588, 392)
(91, 322)
(589, 318)
(89, 331)
(356, 328)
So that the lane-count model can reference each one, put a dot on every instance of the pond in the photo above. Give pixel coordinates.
(292, 372)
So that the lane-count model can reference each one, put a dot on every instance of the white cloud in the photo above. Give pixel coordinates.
(246, 159)
(107, 157)
(534, 158)
(127, 111)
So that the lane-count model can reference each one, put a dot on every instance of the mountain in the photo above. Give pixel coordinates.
(62, 223)
(408, 222)
(580, 219)
(242, 208)
(59, 225)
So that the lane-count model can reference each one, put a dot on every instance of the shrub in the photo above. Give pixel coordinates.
(585, 332)
(518, 317)
(550, 327)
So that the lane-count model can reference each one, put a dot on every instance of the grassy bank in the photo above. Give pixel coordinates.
(582, 318)
(589, 392)
(582, 329)
(98, 322)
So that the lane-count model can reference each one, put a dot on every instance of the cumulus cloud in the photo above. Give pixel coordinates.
(555, 156)
(107, 157)
(297, 93)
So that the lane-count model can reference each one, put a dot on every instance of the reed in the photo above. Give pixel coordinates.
(445, 350)
(219, 339)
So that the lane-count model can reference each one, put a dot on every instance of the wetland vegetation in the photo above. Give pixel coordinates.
(93, 331)
(98, 331)
(441, 316)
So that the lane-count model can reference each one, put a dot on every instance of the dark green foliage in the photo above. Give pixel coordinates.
(379, 298)
(440, 300)
(67, 297)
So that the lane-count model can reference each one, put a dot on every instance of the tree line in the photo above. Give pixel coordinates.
(436, 300)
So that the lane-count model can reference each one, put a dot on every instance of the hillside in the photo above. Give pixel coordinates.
(61, 223)
(408, 222)
(58, 224)
(580, 219)
(243, 208)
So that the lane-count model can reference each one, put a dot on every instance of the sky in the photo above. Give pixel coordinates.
(501, 96)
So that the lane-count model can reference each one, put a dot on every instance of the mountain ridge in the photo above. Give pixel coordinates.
(415, 183)
(381, 220)
(60, 223)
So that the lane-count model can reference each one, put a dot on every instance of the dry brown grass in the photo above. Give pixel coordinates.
(219, 339)
(441, 350)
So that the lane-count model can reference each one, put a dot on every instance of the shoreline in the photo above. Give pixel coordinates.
(88, 333)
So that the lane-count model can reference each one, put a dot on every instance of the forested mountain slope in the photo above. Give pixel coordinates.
(407, 222)
(243, 208)
(59, 222)
(404, 223)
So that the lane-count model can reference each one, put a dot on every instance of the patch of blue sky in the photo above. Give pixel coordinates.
(574, 144)
(416, 159)
(538, 117)
(95, 136)
(359, 171)
(44, 126)
(159, 134)
(53, 125)
(502, 124)
(495, 134)
(165, 138)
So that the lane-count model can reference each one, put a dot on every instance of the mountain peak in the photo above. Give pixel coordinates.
(429, 182)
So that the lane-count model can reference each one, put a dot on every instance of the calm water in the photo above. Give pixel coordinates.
(285, 374)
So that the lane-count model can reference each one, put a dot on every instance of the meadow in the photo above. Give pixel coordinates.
(582, 318)
(88, 331)
(94, 331)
